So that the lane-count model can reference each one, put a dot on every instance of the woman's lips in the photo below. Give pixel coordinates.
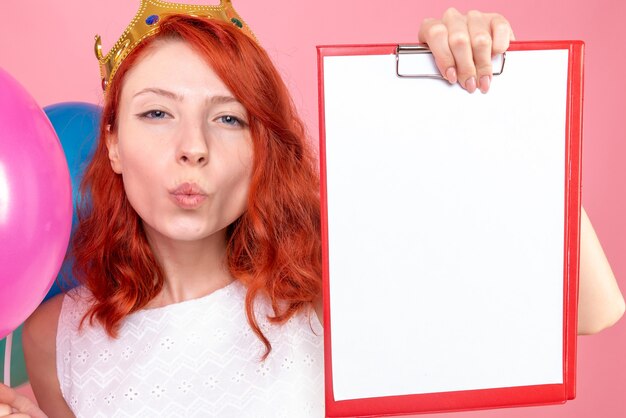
(188, 201)
(188, 195)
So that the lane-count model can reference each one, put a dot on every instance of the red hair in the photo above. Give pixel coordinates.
(274, 247)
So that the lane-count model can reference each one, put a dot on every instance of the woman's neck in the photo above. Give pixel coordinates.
(192, 268)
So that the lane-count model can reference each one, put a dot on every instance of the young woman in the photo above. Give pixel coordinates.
(200, 250)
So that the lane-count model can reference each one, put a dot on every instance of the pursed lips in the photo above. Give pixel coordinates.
(188, 189)
(188, 195)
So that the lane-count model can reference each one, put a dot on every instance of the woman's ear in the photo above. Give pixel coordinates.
(112, 146)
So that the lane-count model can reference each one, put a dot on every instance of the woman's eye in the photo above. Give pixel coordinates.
(154, 114)
(231, 120)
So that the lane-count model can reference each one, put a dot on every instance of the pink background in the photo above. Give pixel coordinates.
(48, 47)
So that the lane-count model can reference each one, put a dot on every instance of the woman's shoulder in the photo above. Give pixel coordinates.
(40, 328)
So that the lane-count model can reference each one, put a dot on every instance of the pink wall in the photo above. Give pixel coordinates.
(48, 46)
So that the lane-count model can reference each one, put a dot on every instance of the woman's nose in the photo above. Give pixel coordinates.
(193, 157)
(193, 146)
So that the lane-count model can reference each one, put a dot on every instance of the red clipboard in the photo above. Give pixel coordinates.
(339, 177)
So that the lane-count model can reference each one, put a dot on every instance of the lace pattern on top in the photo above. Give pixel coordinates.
(196, 358)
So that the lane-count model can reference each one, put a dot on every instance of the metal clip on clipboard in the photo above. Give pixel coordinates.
(427, 68)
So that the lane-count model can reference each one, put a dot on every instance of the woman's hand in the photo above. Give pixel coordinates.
(17, 406)
(464, 44)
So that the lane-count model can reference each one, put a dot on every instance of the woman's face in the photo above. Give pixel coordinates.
(182, 145)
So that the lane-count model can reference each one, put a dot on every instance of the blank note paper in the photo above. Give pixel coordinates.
(445, 227)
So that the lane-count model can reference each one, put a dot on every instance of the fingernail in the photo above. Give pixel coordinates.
(451, 75)
(470, 84)
(485, 82)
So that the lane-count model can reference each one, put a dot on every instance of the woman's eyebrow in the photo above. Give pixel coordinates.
(160, 92)
(178, 97)
(223, 100)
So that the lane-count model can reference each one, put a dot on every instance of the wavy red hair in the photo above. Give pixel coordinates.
(274, 247)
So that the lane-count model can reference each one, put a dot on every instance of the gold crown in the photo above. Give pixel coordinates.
(145, 24)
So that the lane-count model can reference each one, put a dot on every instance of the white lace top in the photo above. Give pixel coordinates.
(197, 358)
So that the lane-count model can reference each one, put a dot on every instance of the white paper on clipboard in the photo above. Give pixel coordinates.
(445, 227)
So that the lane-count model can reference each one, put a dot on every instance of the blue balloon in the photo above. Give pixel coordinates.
(77, 125)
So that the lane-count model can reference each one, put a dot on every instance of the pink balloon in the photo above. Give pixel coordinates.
(35, 204)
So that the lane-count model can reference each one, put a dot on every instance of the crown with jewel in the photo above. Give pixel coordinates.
(146, 23)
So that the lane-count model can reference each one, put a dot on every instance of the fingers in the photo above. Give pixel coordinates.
(5, 410)
(481, 41)
(21, 404)
(7, 395)
(28, 409)
(501, 33)
(435, 34)
(464, 45)
(459, 41)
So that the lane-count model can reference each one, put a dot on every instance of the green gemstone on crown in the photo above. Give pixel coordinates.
(237, 22)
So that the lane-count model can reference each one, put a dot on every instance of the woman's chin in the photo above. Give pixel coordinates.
(192, 234)
(187, 232)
